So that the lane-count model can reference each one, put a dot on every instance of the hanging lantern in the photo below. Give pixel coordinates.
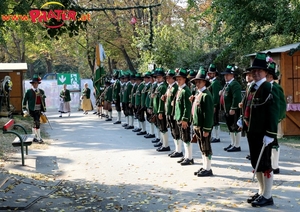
(133, 20)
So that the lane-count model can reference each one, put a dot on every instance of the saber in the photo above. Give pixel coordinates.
(258, 160)
(48, 121)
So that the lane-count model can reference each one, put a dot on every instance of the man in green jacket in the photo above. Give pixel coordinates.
(214, 89)
(203, 112)
(34, 100)
(116, 95)
(125, 96)
(169, 99)
(183, 108)
(108, 100)
(271, 77)
(145, 102)
(261, 117)
(140, 113)
(159, 109)
(231, 96)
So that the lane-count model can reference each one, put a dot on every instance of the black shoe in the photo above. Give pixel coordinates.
(196, 173)
(142, 133)
(60, 116)
(136, 130)
(159, 144)
(41, 141)
(181, 160)
(171, 153)
(95, 112)
(35, 140)
(276, 171)
(254, 197)
(129, 127)
(212, 138)
(248, 157)
(187, 162)
(149, 136)
(215, 140)
(261, 201)
(117, 122)
(205, 173)
(163, 149)
(176, 155)
(155, 140)
(108, 119)
(124, 125)
(226, 148)
(234, 149)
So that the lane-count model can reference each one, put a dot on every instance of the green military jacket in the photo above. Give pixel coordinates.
(30, 98)
(152, 90)
(116, 89)
(138, 94)
(264, 111)
(145, 98)
(282, 102)
(232, 96)
(203, 110)
(108, 94)
(132, 94)
(214, 89)
(158, 104)
(127, 92)
(183, 105)
(86, 92)
(65, 95)
(171, 94)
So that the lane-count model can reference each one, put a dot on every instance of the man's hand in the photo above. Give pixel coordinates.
(160, 116)
(231, 112)
(130, 105)
(241, 104)
(184, 124)
(267, 140)
(205, 134)
(191, 98)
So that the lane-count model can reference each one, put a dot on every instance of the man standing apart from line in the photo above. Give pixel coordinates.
(261, 117)
(183, 108)
(214, 89)
(35, 97)
(202, 112)
(231, 96)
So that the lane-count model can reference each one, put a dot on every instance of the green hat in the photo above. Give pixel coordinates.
(116, 73)
(170, 73)
(181, 72)
(272, 69)
(192, 73)
(148, 74)
(138, 76)
(230, 69)
(212, 68)
(159, 72)
(201, 75)
(36, 78)
(259, 62)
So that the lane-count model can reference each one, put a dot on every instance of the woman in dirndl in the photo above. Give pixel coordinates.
(86, 103)
(65, 98)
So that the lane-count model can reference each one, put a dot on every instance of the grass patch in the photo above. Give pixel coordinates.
(6, 148)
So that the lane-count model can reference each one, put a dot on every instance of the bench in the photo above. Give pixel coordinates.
(21, 140)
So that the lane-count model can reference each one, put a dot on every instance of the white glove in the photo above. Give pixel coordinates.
(240, 123)
(267, 140)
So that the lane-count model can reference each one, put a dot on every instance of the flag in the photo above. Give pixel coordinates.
(99, 71)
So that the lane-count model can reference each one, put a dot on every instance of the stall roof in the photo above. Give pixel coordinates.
(278, 49)
(13, 66)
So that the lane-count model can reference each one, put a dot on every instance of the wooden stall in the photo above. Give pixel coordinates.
(16, 72)
(289, 67)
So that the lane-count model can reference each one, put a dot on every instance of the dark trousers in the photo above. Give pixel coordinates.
(185, 134)
(118, 104)
(124, 108)
(173, 127)
(255, 141)
(140, 113)
(162, 123)
(216, 115)
(36, 114)
(231, 121)
(203, 142)
(129, 109)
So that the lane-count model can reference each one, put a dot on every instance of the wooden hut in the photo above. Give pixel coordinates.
(16, 72)
(289, 67)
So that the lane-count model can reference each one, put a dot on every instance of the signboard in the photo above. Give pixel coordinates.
(68, 79)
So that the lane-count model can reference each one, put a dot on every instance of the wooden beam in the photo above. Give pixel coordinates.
(293, 119)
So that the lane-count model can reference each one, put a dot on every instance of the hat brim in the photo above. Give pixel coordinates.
(206, 84)
(35, 81)
(257, 67)
(223, 73)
